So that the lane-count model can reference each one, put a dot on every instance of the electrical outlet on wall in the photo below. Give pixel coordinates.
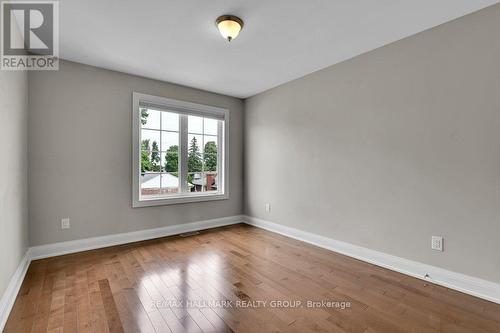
(437, 243)
(268, 207)
(65, 223)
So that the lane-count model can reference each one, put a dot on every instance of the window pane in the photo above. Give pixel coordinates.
(170, 121)
(155, 161)
(149, 151)
(150, 118)
(170, 161)
(169, 183)
(150, 139)
(169, 141)
(195, 157)
(210, 153)
(195, 125)
(210, 126)
(150, 185)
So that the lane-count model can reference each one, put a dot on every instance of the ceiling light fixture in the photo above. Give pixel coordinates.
(229, 26)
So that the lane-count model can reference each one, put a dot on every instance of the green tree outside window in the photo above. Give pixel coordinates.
(210, 156)
(155, 157)
(172, 159)
(195, 163)
(145, 161)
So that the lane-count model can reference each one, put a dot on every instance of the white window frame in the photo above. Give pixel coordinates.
(187, 108)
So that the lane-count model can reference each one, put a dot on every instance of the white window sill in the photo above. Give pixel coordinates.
(179, 199)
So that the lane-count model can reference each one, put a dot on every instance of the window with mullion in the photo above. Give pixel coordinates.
(180, 153)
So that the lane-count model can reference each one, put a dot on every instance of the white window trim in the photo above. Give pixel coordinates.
(179, 106)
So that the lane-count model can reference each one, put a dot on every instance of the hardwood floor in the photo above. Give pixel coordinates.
(223, 273)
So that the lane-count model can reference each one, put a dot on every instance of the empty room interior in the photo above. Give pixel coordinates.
(250, 166)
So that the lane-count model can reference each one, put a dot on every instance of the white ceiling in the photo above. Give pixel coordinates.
(177, 41)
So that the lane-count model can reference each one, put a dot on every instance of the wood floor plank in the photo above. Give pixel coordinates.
(214, 281)
(112, 316)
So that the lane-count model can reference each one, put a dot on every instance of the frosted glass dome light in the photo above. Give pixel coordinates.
(229, 26)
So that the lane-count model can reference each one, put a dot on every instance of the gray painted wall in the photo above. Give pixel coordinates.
(80, 139)
(389, 148)
(13, 172)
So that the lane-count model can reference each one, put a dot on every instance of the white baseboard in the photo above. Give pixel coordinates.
(56, 249)
(10, 294)
(467, 284)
